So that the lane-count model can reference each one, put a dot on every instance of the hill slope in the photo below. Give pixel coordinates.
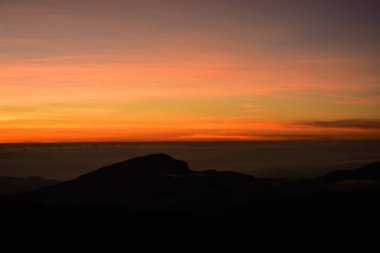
(155, 181)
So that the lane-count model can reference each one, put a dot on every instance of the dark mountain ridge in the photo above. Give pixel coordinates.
(160, 181)
(155, 181)
(157, 191)
(368, 172)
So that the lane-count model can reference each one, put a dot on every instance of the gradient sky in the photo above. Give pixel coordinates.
(154, 70)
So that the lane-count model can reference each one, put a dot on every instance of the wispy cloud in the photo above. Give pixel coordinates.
(364, 124)
(164, 69)
(356, 100)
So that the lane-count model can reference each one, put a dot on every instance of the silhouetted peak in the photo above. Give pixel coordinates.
(373, 167)
(371, 171)
(150, 164)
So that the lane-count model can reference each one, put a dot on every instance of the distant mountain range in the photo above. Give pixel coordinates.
(161, 196)
(155, 181)
(369, 172)
(160, 182)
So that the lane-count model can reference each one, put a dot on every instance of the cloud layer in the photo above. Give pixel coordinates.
(182, 70)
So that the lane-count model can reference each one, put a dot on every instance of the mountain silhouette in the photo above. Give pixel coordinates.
(155, 181)
(158, 191)
(12, 185)
(365, 178)
(160, 182)
(369, 172)
(150, 164)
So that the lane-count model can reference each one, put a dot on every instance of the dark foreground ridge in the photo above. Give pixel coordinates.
(369, 172)
(153, 182)
(156, 191)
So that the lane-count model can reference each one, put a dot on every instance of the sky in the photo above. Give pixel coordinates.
(189, 70)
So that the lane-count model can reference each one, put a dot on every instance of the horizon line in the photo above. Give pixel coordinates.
(183, 141)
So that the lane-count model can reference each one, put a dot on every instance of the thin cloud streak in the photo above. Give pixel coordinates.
(364, 124)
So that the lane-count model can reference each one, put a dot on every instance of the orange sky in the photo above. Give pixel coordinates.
(168, 70)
